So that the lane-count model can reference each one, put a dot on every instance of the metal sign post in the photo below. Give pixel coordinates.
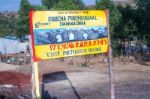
(111, 75)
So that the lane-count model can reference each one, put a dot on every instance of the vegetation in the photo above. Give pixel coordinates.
(115, 16)
(23, 19)
(142, 19)
(7, 26)
(63, 4)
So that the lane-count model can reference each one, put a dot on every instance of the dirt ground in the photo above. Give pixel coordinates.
(60, 80)
(70, 78)
(14, 82)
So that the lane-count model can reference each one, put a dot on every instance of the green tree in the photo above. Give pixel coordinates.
(3, 25)
(63, 4)
(114, 17)
(37, 7)
(49, 3)
(7, 24)
(114, 13)
(142, 19)
(23, 19)
(127, 26)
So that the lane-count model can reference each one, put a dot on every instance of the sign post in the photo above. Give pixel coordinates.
(36, 76)
(111, 75)
(58, 34)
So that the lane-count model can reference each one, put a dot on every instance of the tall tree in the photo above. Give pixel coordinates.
(37, 7)
(23, 19)
(142, 19)
(7, 24)
(114, 13)
(49, 3)
(63, 4)
(114, 16)
(127, 26)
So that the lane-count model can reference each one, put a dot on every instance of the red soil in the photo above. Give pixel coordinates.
(17, 79)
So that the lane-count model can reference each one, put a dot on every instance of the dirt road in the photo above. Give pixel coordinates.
(7, 67)
(62, 81)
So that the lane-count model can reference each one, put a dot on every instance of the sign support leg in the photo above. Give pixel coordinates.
(110, 64)
(36, 78)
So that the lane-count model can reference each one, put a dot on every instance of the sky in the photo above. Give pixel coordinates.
(13, 5)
